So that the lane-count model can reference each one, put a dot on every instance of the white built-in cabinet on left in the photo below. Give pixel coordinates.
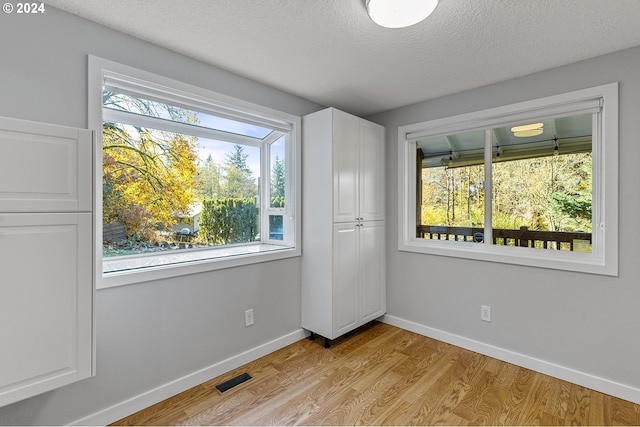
(46, 262)
(343, 249)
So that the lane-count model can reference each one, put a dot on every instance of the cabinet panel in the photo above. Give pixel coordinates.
(372, 271)
(46, 293)
(346, 134)
(372, 170)
(345, 278)
(44, 168)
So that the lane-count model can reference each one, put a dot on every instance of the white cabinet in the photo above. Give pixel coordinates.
(44, 168)
(345, 279)
(343, 251)
(358, 275)
(372, 271)
(46, 290)
(358, 168)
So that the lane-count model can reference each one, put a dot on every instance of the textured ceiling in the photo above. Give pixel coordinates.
(330, 52)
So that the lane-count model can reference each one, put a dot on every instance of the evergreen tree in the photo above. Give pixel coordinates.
(277, 182)
(209, 179)
(238, 178)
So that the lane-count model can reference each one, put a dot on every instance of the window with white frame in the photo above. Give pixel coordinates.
(190, 177)
(533, 183)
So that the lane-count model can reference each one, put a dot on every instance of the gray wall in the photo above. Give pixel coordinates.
(585, 322)
(152, 333)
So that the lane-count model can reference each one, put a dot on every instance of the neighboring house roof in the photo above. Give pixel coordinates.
(192, 210)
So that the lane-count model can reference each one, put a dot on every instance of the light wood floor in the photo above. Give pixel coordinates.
(383, 375)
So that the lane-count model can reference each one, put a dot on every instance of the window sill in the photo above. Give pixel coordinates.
(544, 258)
(119, 271)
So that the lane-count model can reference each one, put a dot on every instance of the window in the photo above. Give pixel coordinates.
(533, 183)
(190, 180)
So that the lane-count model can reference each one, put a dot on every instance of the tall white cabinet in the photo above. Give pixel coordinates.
(46, 280)
(343, 243)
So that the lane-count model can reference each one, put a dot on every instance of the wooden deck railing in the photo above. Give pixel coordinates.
(524, 237)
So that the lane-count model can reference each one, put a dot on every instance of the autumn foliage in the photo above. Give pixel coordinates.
(146, 180)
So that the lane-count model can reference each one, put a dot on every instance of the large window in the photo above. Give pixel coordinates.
(190, 179)
(529, 183)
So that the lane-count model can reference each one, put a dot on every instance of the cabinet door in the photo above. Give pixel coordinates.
(345, 278)
(372, 291)
(46, 302)
(371, 166)
(44, 168)
(346, 135)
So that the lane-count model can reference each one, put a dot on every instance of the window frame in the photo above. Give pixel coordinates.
(604, 257)
(222, 105)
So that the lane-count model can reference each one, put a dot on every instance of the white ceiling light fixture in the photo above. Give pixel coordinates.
(525, 131)
(399, 13)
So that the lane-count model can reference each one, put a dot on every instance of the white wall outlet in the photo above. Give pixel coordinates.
(248, 317)
(485, 313)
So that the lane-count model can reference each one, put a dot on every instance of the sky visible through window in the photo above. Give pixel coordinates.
(164, 111)
(206, 146)
(219, 149)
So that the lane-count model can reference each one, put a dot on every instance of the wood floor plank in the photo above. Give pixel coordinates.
(221, 408)
(428, 405)
(383, 375)
(534, 405)
(416, 374)
(558, 401)
(480, 404)
(517, 395)
(460, 385)
(437, 366)
(301, 401)
(598, 412)
(622, 413)
(578, 407)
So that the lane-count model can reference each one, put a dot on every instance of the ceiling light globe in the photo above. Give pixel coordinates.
(399, 13)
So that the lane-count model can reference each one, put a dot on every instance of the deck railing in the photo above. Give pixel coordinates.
(558, 240)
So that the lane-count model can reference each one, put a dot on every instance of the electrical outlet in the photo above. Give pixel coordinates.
(248, 317)
(485, 313)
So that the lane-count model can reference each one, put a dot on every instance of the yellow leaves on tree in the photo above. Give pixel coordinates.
(149, 178)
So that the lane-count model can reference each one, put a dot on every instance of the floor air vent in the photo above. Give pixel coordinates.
(233, 382)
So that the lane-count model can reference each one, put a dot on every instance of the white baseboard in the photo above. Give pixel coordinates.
(151, 397)
(593, 382)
